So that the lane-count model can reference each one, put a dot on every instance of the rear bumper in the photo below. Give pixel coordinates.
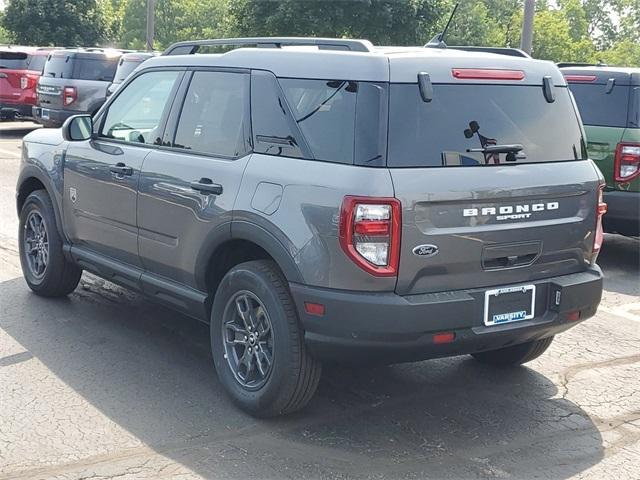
(10, 111)
(50, 117)
(623, 212)
(388, 328)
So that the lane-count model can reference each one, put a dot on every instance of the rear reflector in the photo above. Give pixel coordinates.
(573, 316)
(487, 74)
(444, 337)
(580, 78)
(314, 308)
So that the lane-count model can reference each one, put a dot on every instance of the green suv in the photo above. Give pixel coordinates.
(609, 102)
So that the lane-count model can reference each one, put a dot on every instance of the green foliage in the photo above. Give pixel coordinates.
(564, 30)
(385, 22)
(55, 22)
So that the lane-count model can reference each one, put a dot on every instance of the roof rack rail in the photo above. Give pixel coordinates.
(190, 47)
(578, 64)
(512, 52)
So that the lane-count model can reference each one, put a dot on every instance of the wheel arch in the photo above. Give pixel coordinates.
(32, 179)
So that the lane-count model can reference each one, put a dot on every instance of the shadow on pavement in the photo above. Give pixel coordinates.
(149, 370)
(620, 262)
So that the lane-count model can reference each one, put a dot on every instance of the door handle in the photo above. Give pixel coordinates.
(206, 186)
(121, 169)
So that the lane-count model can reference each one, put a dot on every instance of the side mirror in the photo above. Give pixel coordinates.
(77, 128)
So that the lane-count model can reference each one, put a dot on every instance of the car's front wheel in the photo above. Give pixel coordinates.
(515, 355)
(45, 268)
(257, 343)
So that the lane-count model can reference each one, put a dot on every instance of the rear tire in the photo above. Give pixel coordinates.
(516, 355)
(257, 343)
(46, 270)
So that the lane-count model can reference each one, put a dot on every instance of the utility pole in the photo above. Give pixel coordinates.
(526, 40)
(151, 17)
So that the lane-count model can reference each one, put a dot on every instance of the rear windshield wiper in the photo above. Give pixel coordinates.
(498, 149)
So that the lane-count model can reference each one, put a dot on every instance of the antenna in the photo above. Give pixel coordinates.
(438, 40)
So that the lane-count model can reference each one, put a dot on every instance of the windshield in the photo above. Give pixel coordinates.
(13, 60)
(471, 125)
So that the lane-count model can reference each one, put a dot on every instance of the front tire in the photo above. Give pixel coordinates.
(46, 270)
(257, 343)
(515, 355)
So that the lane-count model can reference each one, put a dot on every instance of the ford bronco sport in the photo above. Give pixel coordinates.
(609, 102)
(73, 82)
(328, 202)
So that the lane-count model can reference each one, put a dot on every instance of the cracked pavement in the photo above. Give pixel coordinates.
(108, 385)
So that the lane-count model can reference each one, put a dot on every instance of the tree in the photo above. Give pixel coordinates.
(55, 22)
(384, 22)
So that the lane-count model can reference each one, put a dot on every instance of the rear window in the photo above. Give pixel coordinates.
(597, 107)
(462, 124)
(125, 67)
(36, 62)
(13, 60)
(66, 66)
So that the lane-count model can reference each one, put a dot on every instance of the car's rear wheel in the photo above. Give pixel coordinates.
(45, 268)
(515, 355)
(257, 343)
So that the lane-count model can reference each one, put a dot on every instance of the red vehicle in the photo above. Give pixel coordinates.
(20, 68)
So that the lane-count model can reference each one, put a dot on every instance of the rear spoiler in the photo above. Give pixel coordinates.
(512, 52)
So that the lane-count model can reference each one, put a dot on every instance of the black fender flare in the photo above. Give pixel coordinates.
(32, 171)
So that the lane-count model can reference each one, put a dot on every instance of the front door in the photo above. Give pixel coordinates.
(101, 175)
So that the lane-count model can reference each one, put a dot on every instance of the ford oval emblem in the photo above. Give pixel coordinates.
(426, 250)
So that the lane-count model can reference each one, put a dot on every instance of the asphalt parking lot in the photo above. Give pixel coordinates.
(106, 384)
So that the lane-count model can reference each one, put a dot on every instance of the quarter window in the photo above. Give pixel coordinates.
(214, 114)
(135, 115)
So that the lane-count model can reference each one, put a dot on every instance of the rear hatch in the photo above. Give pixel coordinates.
(13, 67)
(609, 105)
(85, 75)
(473, 217)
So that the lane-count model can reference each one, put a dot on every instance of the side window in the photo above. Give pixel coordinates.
(214, 114)
(274, 130)
(325, 111)
(135, 115)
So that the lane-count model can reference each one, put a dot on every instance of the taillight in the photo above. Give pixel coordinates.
(24, 83)
(28, 81)
(70, 95)
(601, 209)
(370, 233)
(627, 162)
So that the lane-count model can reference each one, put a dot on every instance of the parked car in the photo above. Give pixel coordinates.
(20, 68)
(74, 81)
(127, 64)
(343, 204)
(609, 102)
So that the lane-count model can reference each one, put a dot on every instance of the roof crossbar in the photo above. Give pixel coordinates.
(190, 47)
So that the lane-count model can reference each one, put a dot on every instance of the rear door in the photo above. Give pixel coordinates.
(476, 218)
(188, 187)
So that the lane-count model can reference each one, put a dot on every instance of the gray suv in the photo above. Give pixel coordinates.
(73, 82)
(332, 202)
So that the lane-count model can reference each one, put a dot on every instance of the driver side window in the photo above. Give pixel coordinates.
(134, 116)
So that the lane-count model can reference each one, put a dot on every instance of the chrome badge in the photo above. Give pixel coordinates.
(426, 250)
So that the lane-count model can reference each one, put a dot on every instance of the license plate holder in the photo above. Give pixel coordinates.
(509, 304)
(44, 113)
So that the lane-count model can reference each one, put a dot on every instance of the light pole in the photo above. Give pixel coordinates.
(526, 40)
(151, 7)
